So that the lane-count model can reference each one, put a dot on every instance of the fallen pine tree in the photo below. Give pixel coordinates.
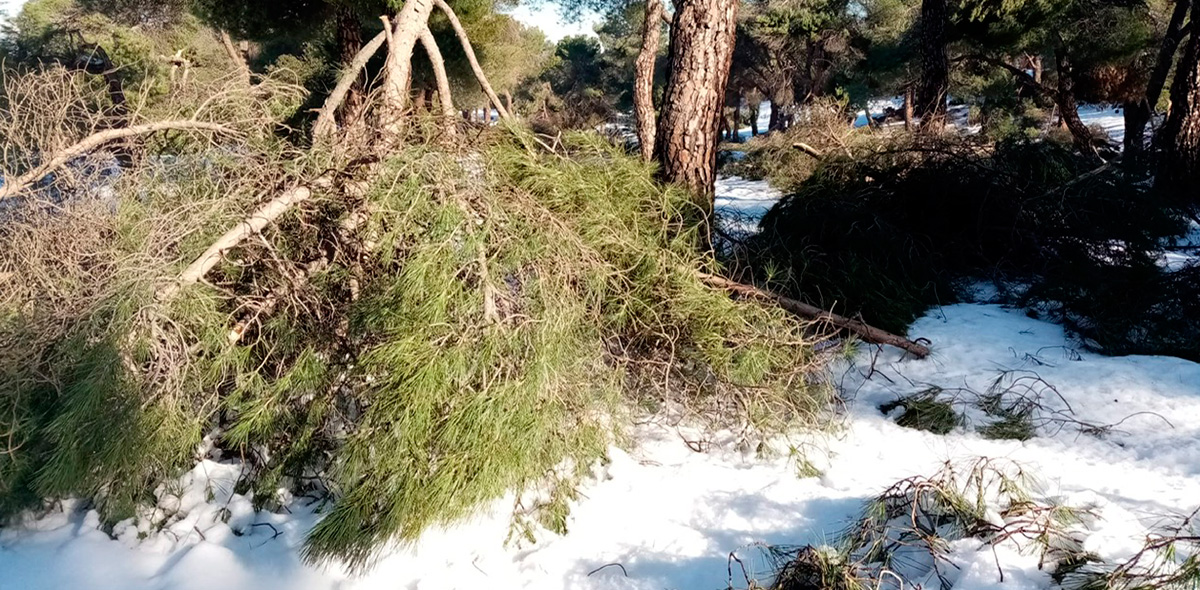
(411, 338)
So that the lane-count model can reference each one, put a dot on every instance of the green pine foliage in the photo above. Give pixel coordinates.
(469, 325)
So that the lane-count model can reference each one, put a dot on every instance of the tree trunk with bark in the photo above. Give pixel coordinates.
(1179, 167)
(643, 80)
(701, 52)
(349, 43)
(236, 57)
(1068, 109)
(1139, 113)
(782, 99)
(908, 108)
(935, 66)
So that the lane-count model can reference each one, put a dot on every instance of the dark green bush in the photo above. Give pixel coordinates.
(905, 227)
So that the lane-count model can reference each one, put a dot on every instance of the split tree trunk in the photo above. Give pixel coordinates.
(466, 45)
(1138, 114)
(702, 36)
(405, 29)
(643, 81)
(935, 66)
(1179, 168)
(439, 74)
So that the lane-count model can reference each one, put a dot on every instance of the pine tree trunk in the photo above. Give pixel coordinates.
(1138, 114)
(1068, 109)
(349, 43)
(701, 52)
(935, 66)
(782, 99)
(908, 108)
(753, 121)
(1179, 168)
(643, 80)
(475, 67)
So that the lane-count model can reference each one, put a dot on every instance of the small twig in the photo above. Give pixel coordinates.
(610, 565)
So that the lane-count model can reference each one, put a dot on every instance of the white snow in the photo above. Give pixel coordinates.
(740, 203)
(668, 516)
(667, 512)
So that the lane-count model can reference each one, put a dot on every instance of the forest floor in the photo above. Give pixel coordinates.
(1117, 436)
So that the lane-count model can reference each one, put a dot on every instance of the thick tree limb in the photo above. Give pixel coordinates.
(15, 186)
(325, 119)
(235, 56)
(643, 80)
(253, 224)
(439, 74)
(866, 332)
(466, 44)
(808, 149)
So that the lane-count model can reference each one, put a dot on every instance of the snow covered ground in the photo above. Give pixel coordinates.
(740, 203)
(667, 516)
(1119, 436)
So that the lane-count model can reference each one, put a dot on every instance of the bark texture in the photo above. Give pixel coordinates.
(349, 44)
(1179, 168)
(701, 50)
(405, 30)
(1138, 114)
(935, 66)
(1068, 108)
(643, 81)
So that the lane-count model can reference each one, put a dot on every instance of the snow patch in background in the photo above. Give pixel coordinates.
(739, 204)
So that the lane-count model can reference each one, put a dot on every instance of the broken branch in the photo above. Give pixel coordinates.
(866, 332)
(251, 225)
(466, 44)
(324, 123)
(21, 183)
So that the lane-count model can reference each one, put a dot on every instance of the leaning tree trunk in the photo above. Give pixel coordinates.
(439, 74)
(643, 80)
(1179, 168)
(236, 56)
(1139, 113)
(349, 43)
(701, 52)
(467, 49)
(1068, 109)
(935, 66)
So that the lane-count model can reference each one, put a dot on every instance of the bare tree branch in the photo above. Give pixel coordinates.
(325, 121)
(21, 183)
(466, 43)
